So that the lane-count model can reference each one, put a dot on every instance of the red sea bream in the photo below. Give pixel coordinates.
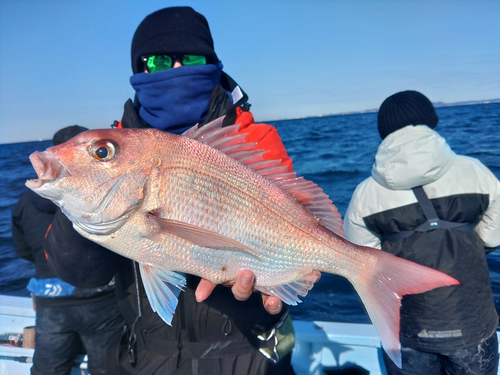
(207, 203)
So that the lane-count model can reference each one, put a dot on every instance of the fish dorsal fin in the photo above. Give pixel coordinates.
(230, 142)
(314, 199)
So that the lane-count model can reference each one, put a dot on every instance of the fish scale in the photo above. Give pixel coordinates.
(207, 203)
(237, 209)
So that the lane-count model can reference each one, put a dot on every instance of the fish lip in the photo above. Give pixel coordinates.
(47, 168)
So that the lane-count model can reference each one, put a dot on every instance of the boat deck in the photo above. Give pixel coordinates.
(319, 345)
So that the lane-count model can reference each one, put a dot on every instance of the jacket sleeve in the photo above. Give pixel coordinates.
(270, 140)
(76, 260)
(267, 138)
(21, 247)
(355, 228)
(489, 226)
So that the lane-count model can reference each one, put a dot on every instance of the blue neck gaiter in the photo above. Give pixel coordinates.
(176, 99)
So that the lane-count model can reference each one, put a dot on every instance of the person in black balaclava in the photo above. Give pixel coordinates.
(179, 82)
(173, 100)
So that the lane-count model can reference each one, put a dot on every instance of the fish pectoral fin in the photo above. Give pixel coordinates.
(162, 289)
(202, 237)
(289, 293)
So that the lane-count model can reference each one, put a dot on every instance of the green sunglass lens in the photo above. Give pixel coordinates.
(190, 60)
(159, 63)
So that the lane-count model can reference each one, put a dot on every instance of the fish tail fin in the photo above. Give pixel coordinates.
(382, 287)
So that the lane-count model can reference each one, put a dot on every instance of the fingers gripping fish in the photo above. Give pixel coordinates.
(208, 204)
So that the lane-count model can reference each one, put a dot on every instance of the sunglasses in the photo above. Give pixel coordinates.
(158, 63)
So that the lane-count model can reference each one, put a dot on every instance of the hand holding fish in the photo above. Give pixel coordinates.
(242, 290)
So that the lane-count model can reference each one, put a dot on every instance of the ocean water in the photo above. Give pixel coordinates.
(336, 152)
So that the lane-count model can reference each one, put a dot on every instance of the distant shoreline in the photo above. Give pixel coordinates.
(436, 105)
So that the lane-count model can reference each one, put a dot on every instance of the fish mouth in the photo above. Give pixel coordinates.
(47, 168)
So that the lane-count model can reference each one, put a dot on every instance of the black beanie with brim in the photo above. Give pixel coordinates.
(405, 108)
(174, 30)
(67, 133)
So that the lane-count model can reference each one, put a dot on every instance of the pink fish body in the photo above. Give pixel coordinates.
(207, 203)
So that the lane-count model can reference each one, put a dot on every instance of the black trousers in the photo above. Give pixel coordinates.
(62, 330)
(481, 359)
(252, 363)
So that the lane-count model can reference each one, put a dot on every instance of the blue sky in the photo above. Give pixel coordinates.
(65, 62)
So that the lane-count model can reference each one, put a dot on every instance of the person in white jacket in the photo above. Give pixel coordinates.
(429, 205)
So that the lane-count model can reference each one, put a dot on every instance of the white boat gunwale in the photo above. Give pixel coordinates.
(320, 345)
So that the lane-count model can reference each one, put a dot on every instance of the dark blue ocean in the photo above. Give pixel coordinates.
(336, 152)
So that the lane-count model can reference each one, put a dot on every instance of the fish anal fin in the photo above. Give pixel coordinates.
(290, 293)
(200, 236)
(162, 289)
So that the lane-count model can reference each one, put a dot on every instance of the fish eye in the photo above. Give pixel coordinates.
(103, 151)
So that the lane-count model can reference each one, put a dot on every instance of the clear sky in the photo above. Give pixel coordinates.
(65, 62)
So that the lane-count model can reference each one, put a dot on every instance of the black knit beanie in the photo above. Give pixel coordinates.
(67, 133)
(405, 108)
(173, 30)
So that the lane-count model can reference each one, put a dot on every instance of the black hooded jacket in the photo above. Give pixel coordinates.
(31, 218)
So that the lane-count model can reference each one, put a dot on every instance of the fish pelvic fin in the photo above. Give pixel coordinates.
(382, 288)
(290, 293)
(230, 142)
(162, 289)
(200, 236)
